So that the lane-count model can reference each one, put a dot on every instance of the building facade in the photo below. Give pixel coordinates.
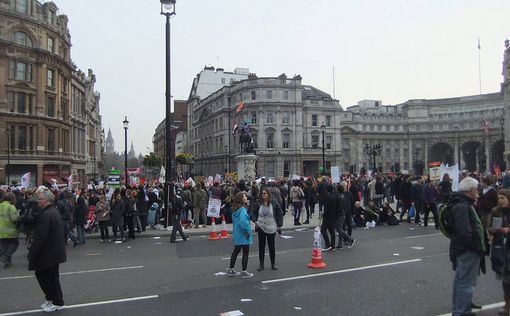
(49, 110)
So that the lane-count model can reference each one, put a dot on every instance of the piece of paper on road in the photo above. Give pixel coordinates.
(220, 273)
(246, 300)
(232, 313)
(396, 254)
(157, 237)
(297, 308)
(286, 237)
(417, 248)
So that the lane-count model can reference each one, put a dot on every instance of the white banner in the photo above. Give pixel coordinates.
(335, 174)
(25, 180)
(162, 175)
(435, 173)
(213, 209)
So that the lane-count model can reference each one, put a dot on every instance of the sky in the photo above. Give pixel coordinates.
(388, 50)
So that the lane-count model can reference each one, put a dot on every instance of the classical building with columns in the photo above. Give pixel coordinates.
(50, 123)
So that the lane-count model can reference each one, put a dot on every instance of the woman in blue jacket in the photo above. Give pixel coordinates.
(242, 235)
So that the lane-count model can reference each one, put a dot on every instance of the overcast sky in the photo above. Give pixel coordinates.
(389, 50)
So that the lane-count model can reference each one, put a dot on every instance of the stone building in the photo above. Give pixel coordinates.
(49, 110)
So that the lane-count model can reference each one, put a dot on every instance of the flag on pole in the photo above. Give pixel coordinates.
(234, 128)
(240, 107)
(486, 127)
(479, 47)
(25, 180)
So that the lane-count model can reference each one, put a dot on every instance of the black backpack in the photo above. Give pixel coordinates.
(64, 209)
(379, 187)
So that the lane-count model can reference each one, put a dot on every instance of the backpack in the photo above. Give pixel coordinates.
(444, 219)
(379, 187)
(64, 210)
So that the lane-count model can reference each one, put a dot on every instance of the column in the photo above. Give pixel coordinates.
(457, 158)
(487, 155)
(410, 155)
(426, 152)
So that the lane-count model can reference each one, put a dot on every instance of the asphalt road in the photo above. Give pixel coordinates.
(401, 270)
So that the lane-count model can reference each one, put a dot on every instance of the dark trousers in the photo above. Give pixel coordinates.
(69, 234)
(310, 208)
(8, 247)
(235, 253)
(432, 207)
(348, 223)
(342, 235)
(120, 227)
(176, 223)
(418, 207)
(130, 226)
(262, 246)
(50, 284)
(325, 228)
(406, 204)
(143, 221)
(103, 227)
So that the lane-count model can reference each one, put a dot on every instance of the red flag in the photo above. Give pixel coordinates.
(240, 107)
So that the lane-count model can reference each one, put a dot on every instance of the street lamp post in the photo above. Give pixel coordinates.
(126, 126)
(168, 9)
(502, 123)
(7, 171)
(373, 151)
(323, 131)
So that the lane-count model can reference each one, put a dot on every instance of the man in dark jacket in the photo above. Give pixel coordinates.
(48, 251)
(405, 196)
(176, 210)
(343, 210)
(467, 245)
(418, 199)
(322, 193)
(329, 217)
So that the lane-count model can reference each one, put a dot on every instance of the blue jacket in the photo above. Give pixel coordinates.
(241, 227)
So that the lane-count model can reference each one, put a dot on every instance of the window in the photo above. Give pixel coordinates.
(314, 119)
(50, 106)
(22, 38)
(315, 141)
(253, 95)
(51, 17)
(328, 120)
(253, 117)
(50, 78)
(20, 71)
(327, 142)
(270, 169)
(22, 137)
(269, 94)
(269, 117)
(270, 140)
(51, 139)
(22, 6)
(286, 140)
(286, 168)
(50, 45)
(21, 102)
(285, 117)
(285, 95)
(12, 144)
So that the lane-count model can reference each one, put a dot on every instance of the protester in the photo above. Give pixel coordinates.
(103, 216)
(487, 200)
(176, 212)
(8, 233)
(467, 245)
(268, 220)
(117, 215)
(48, 251)
(64, 207)
(499, 258)
(200, 200)
(80, 216)
(297, 195)
(241, 235)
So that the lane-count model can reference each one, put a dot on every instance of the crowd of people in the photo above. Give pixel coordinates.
(356, 202)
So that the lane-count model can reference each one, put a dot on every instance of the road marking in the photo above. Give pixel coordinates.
(277, 252)
(122, 300)
(484, 307)
(419, 236)
(74, 272)
(341, 271)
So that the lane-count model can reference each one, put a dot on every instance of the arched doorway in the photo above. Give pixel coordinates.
(473, 156)
(442, 152)
(497, 155)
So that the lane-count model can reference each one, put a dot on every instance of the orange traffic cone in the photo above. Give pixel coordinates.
(317, 262)
(213, 235)
(224, 233)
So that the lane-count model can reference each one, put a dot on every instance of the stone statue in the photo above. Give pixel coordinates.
(245, 139)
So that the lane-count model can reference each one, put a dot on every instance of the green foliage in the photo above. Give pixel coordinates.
(151, 160)
(184, 158)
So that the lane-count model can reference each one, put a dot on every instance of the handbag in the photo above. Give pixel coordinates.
(412, 212)
(499, 256)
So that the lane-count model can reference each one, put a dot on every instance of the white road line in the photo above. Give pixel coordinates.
(484, 308)
(122, 300)
(277, 252)
(419, 236)
(341, 271)
(74, 272)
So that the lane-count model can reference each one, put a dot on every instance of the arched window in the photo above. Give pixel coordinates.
(22, 38)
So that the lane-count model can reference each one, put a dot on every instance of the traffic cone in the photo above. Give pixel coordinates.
(224, 233)
(213, 235)
(317, 262)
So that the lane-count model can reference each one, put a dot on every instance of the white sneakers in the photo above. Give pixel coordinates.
(49, 307)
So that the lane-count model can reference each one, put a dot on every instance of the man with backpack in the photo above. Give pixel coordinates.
(467, 244)
(64, 208)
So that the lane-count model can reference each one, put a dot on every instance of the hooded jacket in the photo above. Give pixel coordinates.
(241, 227)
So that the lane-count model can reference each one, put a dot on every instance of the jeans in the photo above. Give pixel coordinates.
(8, 247)
(297, 211)
(69, 234)
(325, 228)
(432, 207)
(50, 284)
(466, 274)
(80, 234)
